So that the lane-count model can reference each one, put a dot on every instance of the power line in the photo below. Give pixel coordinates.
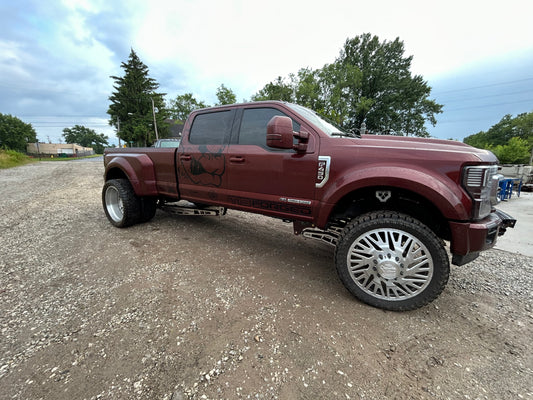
(67, 121)
(61, 116)
(66, 125)
(488, 85)
(492, 105)
(459, 99)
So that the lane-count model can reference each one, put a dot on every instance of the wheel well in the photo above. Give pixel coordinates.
(393, 199)
(115, 173)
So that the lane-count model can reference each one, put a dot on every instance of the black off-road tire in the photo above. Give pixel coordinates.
(148, 208)
(121, 205)
(392, 261)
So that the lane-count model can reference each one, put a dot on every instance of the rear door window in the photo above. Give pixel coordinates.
(211, 128)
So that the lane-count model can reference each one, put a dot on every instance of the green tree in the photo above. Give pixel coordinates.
(225, 96)
(337, 85)
(86, 137)
(516, 151)
(277, 90)
(389, 97)
(307, 90)
(478, 140)
(133, 103)
(498, 138)
(523, 126)
(15, 134)
(180, 107)
(369, 82)
(498, 134)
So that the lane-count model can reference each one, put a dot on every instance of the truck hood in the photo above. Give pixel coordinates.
(423, 145)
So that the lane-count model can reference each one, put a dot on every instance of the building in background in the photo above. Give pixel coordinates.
(58, 150)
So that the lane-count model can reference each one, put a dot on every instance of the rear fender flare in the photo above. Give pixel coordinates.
(139, 169)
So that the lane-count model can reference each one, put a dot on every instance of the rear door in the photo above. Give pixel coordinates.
(267, 180)
(201, 159)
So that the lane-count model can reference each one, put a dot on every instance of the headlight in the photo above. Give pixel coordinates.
(482, 183)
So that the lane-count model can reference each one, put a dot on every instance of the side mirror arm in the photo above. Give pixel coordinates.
(303, 140)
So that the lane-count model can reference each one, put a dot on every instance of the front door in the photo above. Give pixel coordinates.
(263, 179)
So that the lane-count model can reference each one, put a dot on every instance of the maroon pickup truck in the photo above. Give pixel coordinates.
(386, 203)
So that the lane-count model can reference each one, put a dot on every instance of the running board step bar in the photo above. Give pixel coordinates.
(191, 209)
(330, 236)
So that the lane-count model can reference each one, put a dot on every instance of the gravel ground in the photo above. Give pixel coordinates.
(231, 307)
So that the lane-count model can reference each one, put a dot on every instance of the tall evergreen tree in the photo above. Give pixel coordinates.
(133, 102)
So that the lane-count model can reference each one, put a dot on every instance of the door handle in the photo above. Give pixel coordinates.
(185, 157)
(237, 159)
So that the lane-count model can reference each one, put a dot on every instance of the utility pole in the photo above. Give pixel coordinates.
(118, 131)
(155, 123)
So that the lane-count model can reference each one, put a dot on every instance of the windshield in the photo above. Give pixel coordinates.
(320, 122)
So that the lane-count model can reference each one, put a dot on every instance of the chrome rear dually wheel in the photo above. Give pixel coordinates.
(121, 204)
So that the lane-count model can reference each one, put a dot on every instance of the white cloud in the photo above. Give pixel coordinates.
(248, 44)
(68, 49)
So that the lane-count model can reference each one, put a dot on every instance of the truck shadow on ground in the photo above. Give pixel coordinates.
(250, 242)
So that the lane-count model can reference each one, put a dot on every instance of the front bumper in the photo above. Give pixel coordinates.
(470, 238)
(507, 221)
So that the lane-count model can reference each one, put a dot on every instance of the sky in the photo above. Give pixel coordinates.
(56, 57)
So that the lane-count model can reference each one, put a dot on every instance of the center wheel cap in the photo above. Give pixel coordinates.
(388, 269)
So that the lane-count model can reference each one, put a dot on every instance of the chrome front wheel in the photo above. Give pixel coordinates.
(392, 261)
(390, 264)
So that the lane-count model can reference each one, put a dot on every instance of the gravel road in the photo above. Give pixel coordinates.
(230, 307)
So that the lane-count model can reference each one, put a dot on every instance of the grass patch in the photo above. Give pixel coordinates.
(57, 158)
(12, 158)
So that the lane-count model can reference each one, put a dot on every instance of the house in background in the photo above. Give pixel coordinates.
(58, 150)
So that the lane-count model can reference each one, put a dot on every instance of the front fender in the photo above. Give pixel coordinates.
(436, 188)
(139, 169)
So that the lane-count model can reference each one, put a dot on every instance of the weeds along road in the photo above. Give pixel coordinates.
(230, 307)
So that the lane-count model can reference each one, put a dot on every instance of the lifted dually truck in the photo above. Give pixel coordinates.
(386, 203)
